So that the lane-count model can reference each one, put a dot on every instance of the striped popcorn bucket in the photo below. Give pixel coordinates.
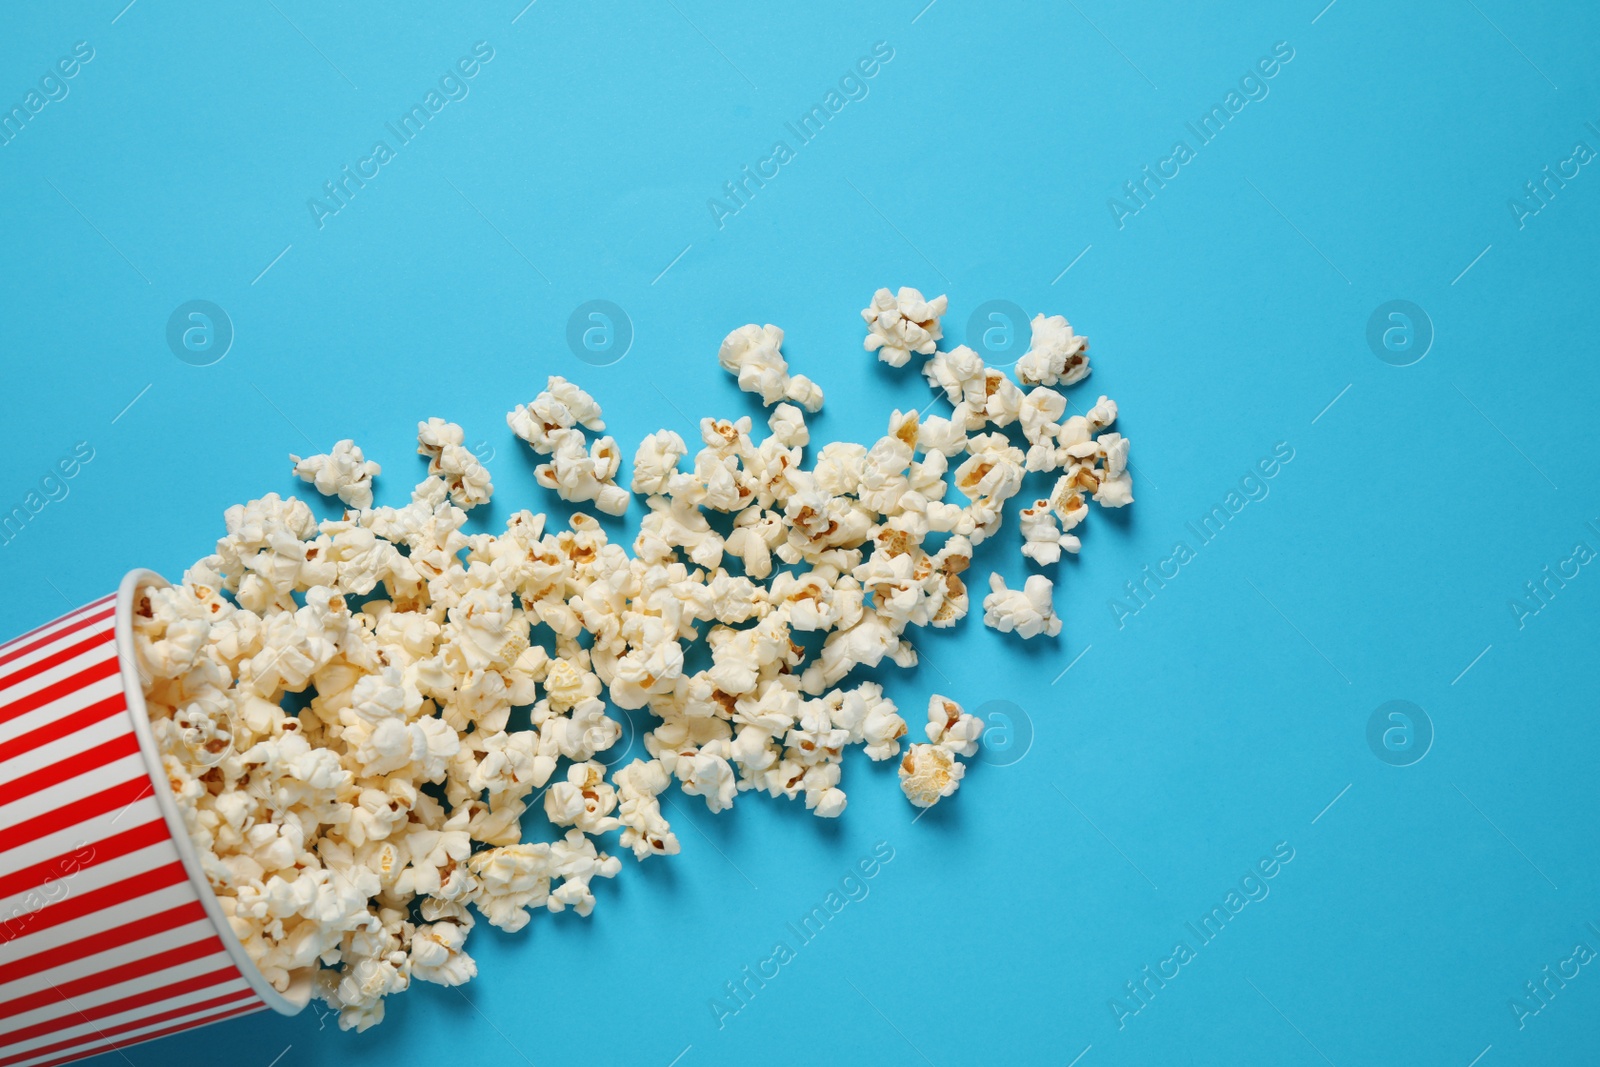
(109, 932)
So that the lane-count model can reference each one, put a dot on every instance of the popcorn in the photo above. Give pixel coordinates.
(1043, 541)
(644, 829)
(751, 353)
(656, 461)
(788, 425)
(941, 435)
(1028, 610)
(951, 727)
(344, 473)
(1055, 356)
(581, 472)
(929, 772)
(358, 840)
(578, 862)
(1116, 487)
(437, 954)
(562, 406)
(553, 425)
(508, 881)
(960, 374)
(466, 479)
(991, 475)
(584, 800)
(756, 533)
(901, 323)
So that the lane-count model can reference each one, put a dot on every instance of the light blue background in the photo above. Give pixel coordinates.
(1220, 720)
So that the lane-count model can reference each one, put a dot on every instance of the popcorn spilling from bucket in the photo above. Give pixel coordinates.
(360, 836)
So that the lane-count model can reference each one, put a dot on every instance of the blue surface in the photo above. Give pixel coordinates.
(1229, 714)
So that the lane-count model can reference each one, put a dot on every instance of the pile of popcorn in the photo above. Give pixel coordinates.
(335, 698)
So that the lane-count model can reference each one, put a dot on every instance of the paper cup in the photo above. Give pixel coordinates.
(109, 932)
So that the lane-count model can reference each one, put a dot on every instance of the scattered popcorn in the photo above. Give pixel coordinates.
(1043, 541)
(562, 406)
(358, 840)
(656, 461)
(1028, 610)
(901, 323)
(464, 477)
(1056, 356)
(929, 772)
(553, 425)
(751, 353)
(344, 473)
(950, 726)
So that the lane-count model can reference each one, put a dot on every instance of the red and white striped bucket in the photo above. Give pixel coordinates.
(109, 932)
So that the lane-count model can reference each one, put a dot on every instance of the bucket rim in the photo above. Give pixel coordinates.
(298, 995)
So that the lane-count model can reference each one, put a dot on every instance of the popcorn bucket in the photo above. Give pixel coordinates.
(109, 932)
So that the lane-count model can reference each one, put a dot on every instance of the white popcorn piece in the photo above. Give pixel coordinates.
(584, 800)
(656, 461)
(344, 472)
(899, 324)
(756, 534)
(752, 354)
(1028, 610)
(1055, 356)
(508, 881)
(929, 773)
(438, 954)
(645, 829)
(991, 475)
(577, 862)
(951, 727)
(1066, 498)
(960, 374)
(561, 406)
(1042, 540)
(788, 425)
(941, 435)
(1039, 414)
(553, 425)
(1103, 414)
(1116, 484)
(580, 472)
(466, 479)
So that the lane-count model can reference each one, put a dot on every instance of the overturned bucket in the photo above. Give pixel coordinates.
(109, 932)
